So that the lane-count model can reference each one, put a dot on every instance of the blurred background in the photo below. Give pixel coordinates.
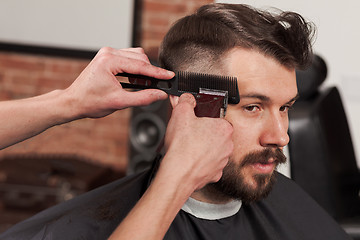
(44, 45)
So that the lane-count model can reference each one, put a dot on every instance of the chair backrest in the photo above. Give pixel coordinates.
(321, 151)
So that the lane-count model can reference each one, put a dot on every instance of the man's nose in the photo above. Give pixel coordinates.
(275, 132)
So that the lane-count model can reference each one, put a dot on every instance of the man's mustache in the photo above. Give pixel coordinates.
(264, 156)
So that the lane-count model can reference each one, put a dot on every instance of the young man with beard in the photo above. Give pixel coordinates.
(175, 199)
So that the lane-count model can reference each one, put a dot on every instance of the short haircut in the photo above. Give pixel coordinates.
(199, 41)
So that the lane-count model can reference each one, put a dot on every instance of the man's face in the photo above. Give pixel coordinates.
(260, 121)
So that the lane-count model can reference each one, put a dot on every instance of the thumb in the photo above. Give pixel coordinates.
(187, 98)
(185, 106)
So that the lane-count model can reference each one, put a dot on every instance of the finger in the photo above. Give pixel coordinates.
(127, 53)
(139, 54)
(131, 61)
(132, 54)
(144, 97)
(139, 67)
(185, 106)
(135, 50)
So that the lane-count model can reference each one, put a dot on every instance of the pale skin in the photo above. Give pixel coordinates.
(260, 120)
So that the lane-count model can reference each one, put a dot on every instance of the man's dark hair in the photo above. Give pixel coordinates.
(199, 41)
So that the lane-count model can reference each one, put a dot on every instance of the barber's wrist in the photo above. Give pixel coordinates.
(65, 107)
(177, 176)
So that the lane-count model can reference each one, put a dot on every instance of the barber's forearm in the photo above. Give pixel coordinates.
(153, 214)
(22, 119)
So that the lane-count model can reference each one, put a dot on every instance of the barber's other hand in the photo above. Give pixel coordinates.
(97, 92)
(197, 149)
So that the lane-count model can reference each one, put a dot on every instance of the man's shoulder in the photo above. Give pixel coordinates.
(289, 196)
(287, 188)
(292, 210)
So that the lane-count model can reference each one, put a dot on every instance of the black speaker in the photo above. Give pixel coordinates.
(147, 129)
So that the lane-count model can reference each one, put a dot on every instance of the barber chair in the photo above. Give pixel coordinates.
(321, 151)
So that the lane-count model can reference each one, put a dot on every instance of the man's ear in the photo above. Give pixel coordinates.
(174, 100)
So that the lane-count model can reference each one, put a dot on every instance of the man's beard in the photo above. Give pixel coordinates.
(233, 184)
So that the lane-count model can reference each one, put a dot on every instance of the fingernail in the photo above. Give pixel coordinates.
(170, 73)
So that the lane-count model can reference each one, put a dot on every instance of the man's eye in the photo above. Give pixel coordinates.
(285, 108)
(252, 108)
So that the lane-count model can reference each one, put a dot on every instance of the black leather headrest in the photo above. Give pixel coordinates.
(309, 80)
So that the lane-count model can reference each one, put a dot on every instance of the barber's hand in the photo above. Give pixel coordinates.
(97, 92)
(197, 149)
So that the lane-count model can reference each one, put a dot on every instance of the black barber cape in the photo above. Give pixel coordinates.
(287, 213)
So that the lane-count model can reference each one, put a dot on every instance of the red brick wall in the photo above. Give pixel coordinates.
(102, 140)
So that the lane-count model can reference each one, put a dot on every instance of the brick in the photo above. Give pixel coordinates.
(4, 95)
(158, 22)
(167, 7)
(152, 51)
(59, 67)
(80, 66)
(2, 79)
(151, 36)
(22, 63)
(20, 87)
(166, 1)
(21, 78)
(55, 82)
(65, 65)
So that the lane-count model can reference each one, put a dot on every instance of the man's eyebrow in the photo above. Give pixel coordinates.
(258, 96)
(294, 98)
(266, 98)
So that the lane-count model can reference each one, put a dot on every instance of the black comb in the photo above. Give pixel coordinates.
(186, 82)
